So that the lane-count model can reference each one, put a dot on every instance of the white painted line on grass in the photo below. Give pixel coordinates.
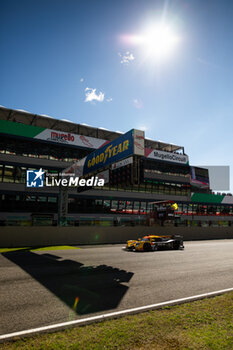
(83, 321)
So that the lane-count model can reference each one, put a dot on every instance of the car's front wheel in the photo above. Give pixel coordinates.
(131, 248)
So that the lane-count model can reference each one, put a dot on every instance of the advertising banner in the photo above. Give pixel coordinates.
(139, 142)
(211, 198)
(167, 156)
(118, 149)
(50, 135)
(70, 139)
(122, 163)
(112, 152)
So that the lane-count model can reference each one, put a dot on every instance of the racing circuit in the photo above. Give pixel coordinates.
(48, 287)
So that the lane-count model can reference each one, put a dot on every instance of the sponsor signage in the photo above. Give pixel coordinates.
(113, 152)
(31, 131)
(70, 139)
(122, 163)
(120, 148)
(139, 142)
(168, 156)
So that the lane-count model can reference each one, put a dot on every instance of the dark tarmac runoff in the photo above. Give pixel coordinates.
(41, 288)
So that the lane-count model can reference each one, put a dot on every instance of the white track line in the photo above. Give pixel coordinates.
(83, 321)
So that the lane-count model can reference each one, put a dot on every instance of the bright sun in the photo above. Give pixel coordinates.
(159, 41)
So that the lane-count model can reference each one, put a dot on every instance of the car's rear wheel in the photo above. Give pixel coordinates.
(176, 245)
(147, 247)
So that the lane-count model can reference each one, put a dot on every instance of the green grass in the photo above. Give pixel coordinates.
(31, 249)
(205, 324)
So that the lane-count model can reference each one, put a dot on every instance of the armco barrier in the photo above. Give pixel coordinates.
(11, 236)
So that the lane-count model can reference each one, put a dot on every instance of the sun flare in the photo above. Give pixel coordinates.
(159, 41)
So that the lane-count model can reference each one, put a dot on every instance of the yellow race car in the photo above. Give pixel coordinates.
(152, 243)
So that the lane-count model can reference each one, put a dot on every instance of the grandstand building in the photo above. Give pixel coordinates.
(160, 172)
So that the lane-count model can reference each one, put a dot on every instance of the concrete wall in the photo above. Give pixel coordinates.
(41, 236)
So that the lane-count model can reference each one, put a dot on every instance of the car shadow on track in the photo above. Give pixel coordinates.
(85, 289)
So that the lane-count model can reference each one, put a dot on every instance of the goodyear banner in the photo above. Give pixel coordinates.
(114, 151)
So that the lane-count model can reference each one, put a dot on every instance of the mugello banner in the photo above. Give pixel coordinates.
(167, 156)
(70, 139)
(39, 133)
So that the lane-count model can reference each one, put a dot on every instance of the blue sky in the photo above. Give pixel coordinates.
(57, 54)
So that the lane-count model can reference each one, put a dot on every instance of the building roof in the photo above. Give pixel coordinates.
(48, 122)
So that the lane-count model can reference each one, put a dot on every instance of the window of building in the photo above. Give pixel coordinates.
(114, 206)
(149, 186)
(42, 199)
(106, 205)
(121, 205)
(8, 173)
(30, 198)
(136, 207)
(129, 206)
(52, 199)
(185, 208)
(99, 205)
(142, 207)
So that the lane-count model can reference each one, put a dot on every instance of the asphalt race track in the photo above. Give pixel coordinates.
(47, 287)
